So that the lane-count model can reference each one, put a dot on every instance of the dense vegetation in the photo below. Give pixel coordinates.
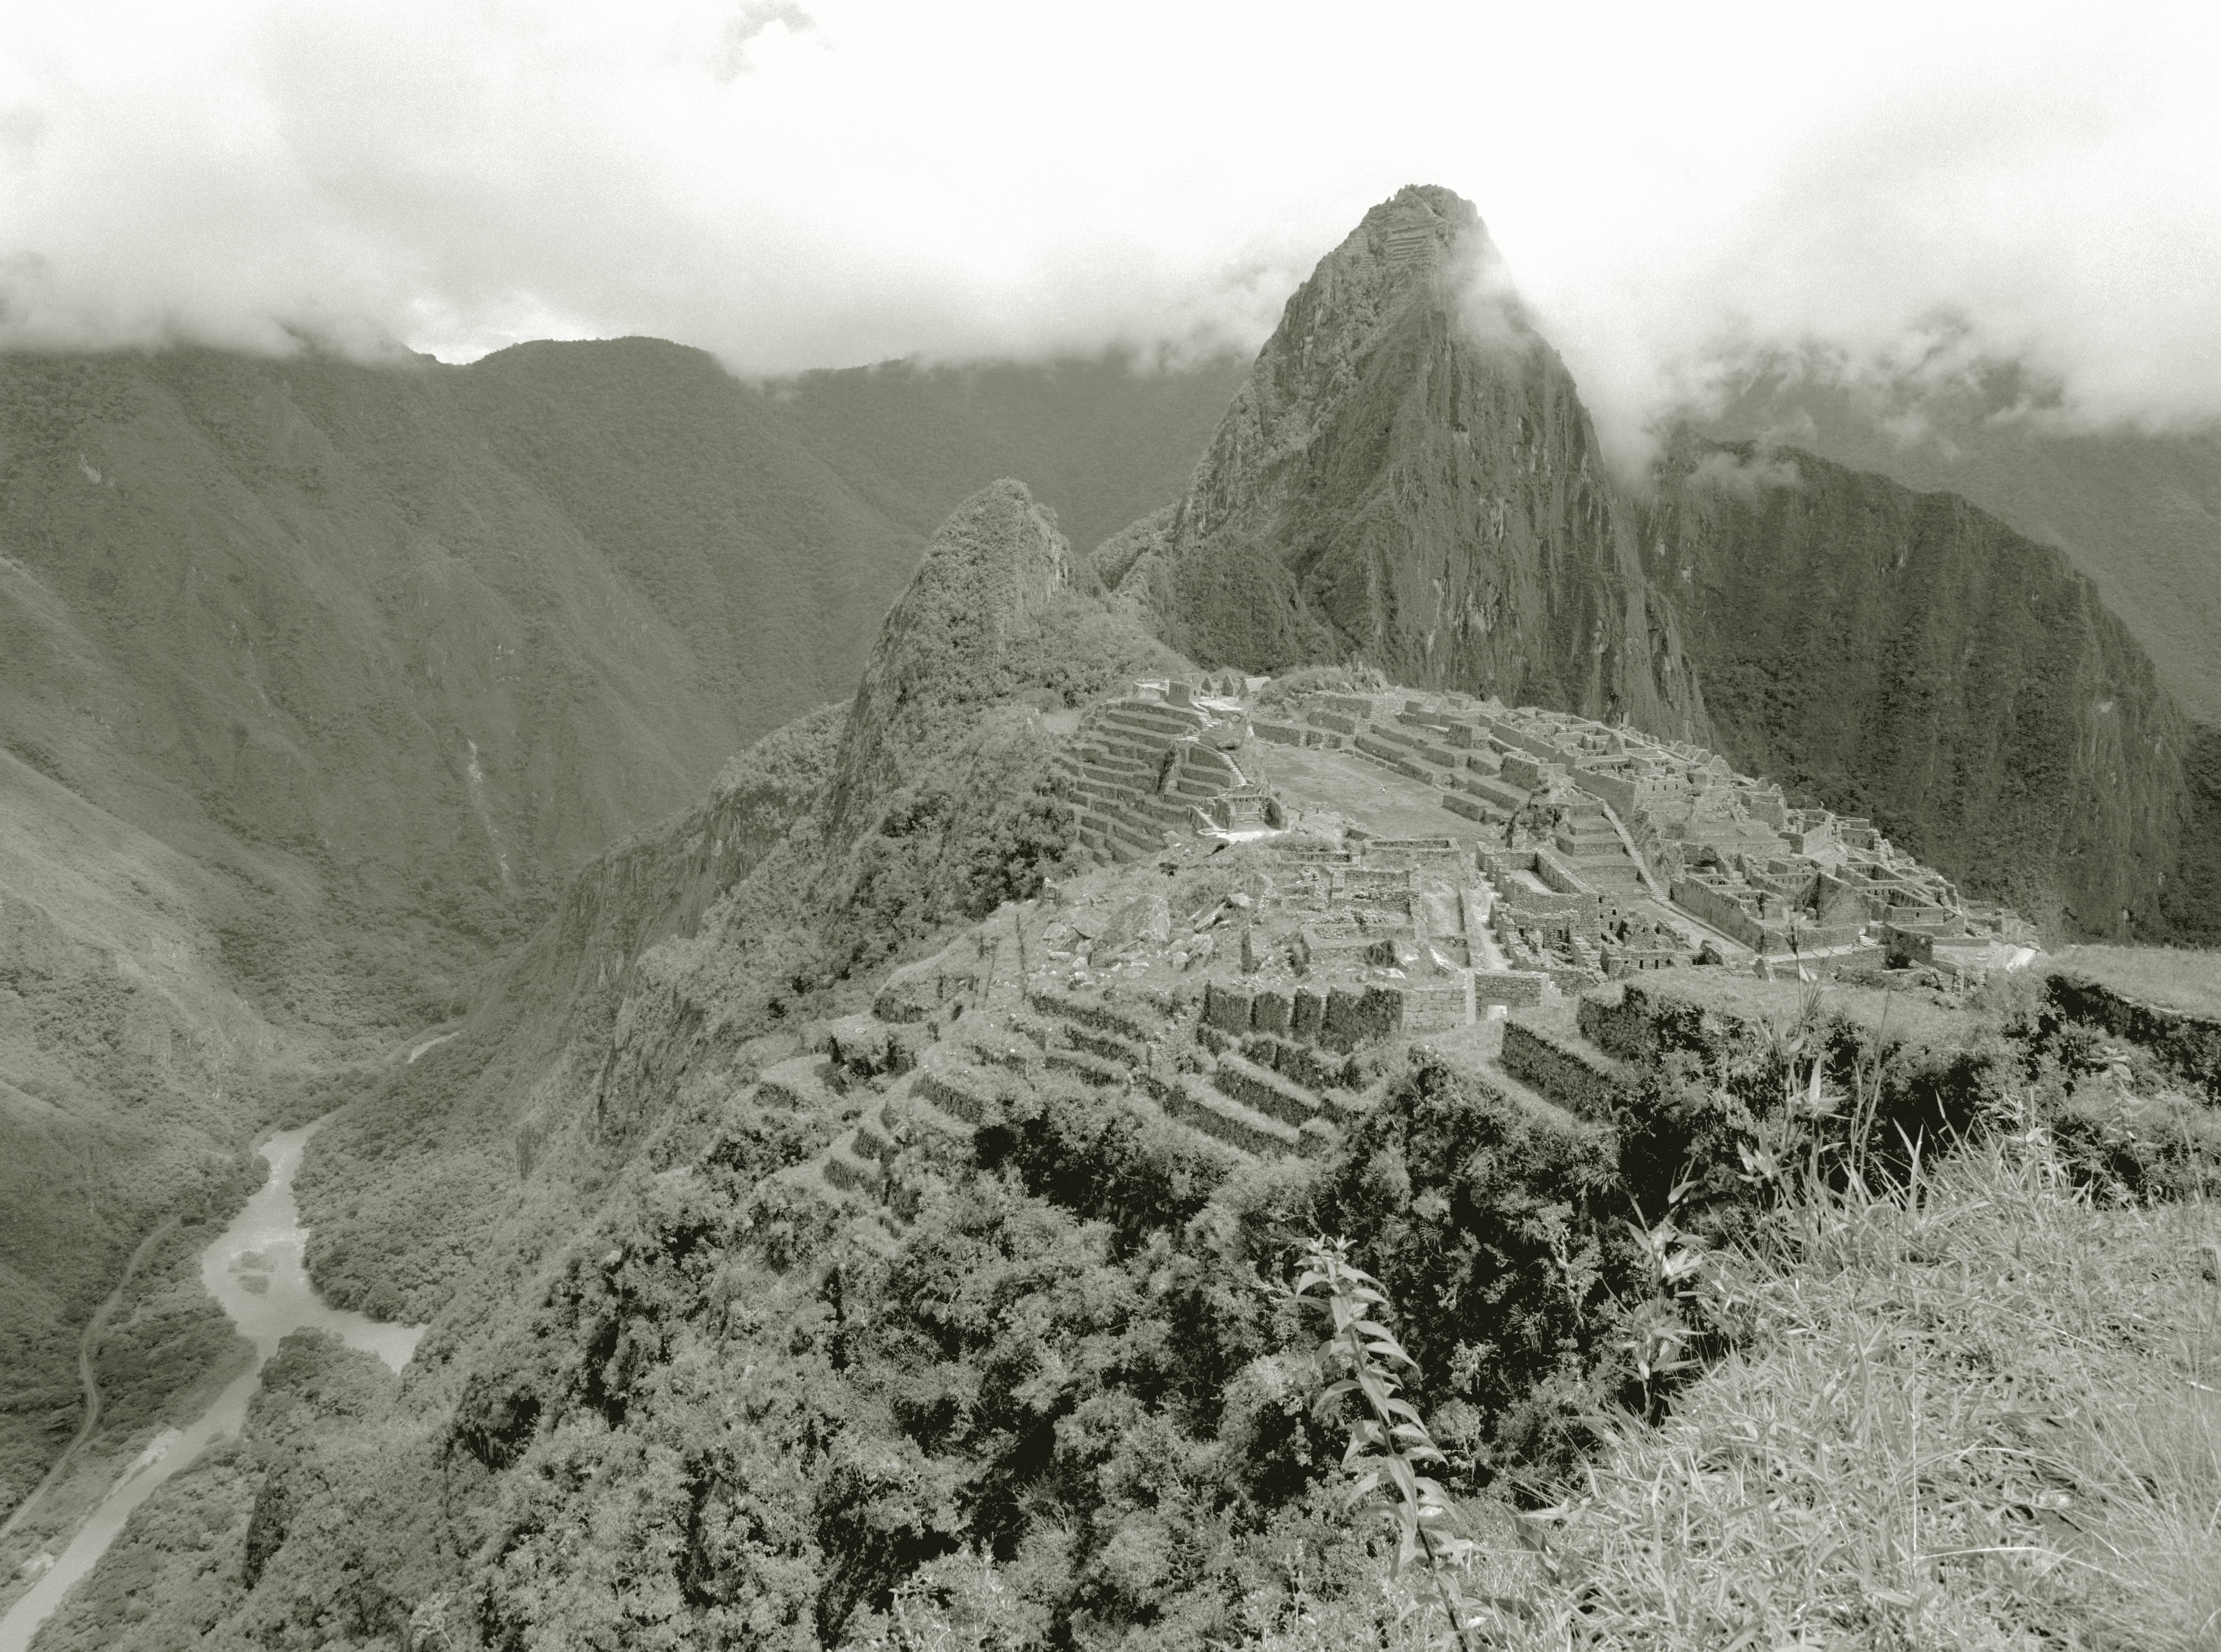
(1076, 1403)
(2136, 510)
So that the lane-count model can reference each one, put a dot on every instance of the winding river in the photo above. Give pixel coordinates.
(254, 1269)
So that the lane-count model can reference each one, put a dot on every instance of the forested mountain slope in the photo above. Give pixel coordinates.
(2139, 512)
(1907, 658)
(1100, 442)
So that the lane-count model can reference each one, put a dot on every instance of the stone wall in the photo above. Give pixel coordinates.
(2188, 1045)
(1515, 988)
(1589, 1083)
(1617, 790)
(1341, 1018)
(1722, 911)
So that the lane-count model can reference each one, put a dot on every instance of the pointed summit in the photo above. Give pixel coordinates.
(1415, 227)
(1409, 477)
(987, 576)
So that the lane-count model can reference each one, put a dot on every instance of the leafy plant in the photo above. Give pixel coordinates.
(1659, 1333)
(1392, 1442)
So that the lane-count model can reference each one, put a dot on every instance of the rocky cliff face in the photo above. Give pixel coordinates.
(1410, 477)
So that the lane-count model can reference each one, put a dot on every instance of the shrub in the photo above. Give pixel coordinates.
(1497, 1234)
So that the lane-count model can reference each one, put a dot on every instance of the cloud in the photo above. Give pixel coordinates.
(2040, 211)
(1912, 196)
(1745, 478)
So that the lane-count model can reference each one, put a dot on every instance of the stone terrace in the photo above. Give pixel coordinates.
(1156, 762)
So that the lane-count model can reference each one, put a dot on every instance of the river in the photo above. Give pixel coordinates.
(254, 1269)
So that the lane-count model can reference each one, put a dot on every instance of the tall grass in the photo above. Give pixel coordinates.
(1980, 1411)
(1971, 1405)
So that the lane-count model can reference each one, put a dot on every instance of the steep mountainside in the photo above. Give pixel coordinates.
(989, 576)
(461, 626)
(1908, 658)
(317, 680)
(683, 954)
(2138, 512)
(1409, 476)
(128, 1065)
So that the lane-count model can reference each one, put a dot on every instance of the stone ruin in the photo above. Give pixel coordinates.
(1583, 859)
(1160, 762)
(1613, 852)
(1605, 852)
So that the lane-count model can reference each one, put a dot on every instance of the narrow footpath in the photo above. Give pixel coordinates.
(87, 1346)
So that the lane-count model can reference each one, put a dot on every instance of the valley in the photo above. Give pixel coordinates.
(316, 681)
(252, 1270)
(842, 981)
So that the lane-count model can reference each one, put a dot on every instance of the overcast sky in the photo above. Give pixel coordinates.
(800, 183)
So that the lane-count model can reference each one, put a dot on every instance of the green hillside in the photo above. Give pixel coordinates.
(1908, 658)
(317, 680)
(2138, 512)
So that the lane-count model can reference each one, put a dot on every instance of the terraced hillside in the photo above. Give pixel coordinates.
(975, 1266)
(1257, 979)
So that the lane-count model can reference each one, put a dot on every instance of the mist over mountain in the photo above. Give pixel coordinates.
(1410, 479)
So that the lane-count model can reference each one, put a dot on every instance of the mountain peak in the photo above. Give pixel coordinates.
(990, 572)
(1420, 221)
(1423, 239)
(1409, 478)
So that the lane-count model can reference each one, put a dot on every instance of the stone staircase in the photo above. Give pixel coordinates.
(1590, 845)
